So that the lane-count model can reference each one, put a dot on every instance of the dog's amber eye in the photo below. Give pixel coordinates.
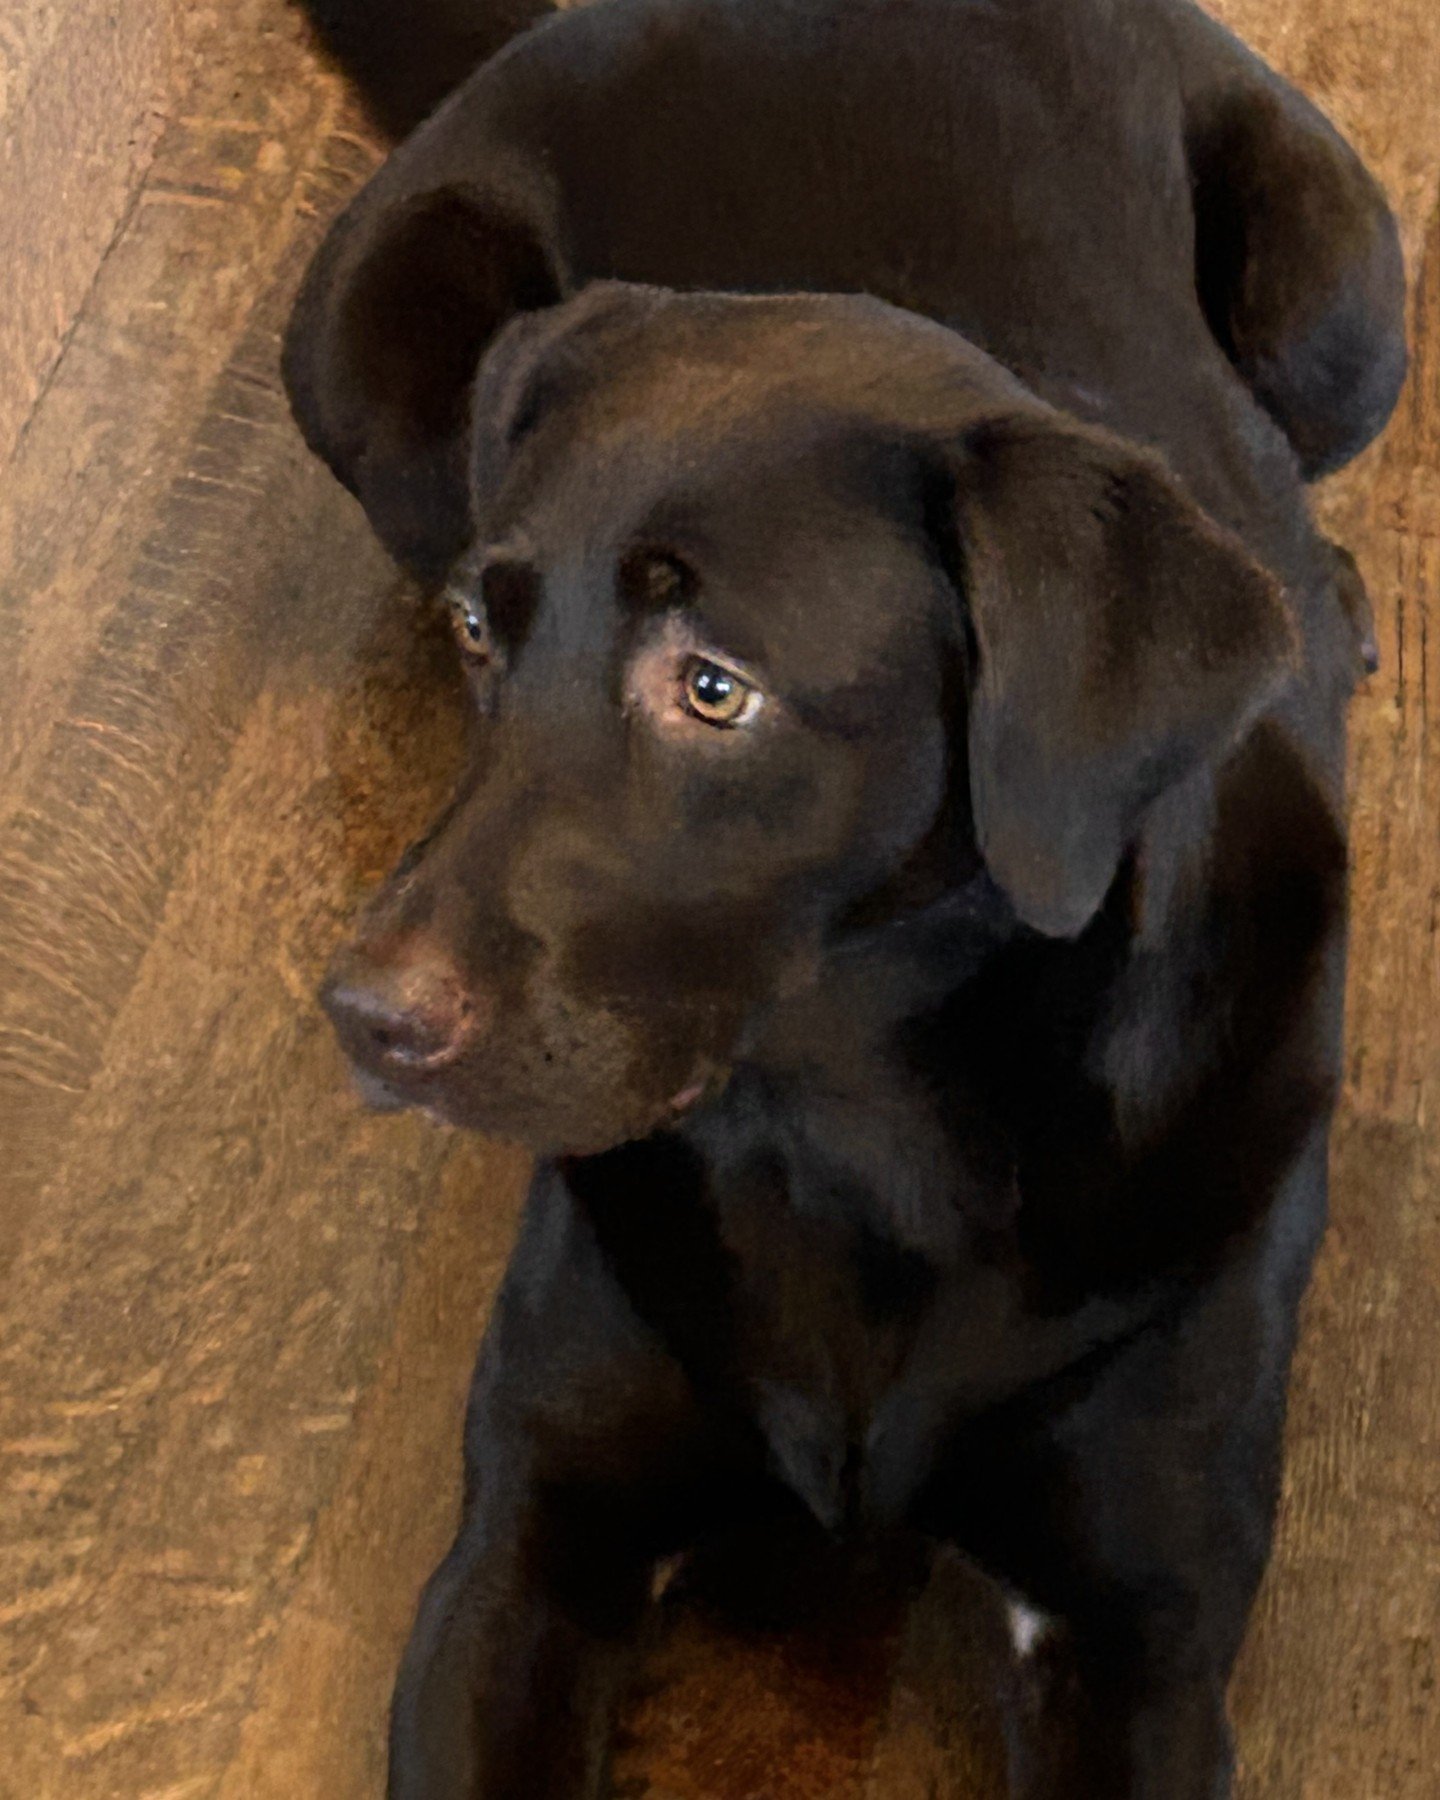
(472, 633)
(716, 694)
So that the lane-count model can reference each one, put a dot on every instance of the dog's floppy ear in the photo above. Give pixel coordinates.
(1120, 636)
(385, 340)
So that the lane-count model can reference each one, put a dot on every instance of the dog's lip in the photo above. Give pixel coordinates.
(377, 1093)
(382, 1095)
(709, 1081)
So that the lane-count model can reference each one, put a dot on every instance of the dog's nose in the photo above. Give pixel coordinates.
(398, 1008)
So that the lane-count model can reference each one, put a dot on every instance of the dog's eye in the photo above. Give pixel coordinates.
(716, 694)
(468, 623)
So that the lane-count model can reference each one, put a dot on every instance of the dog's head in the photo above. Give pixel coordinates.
(762, 602)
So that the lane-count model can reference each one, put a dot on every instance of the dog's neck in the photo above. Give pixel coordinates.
(967, 1086)
(869, 1079)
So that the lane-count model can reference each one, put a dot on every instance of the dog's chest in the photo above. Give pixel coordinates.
(853, 1330)
(854, 1353)
(858, 1356)
(858, 1393)
(825, 1322)
(846, 1262)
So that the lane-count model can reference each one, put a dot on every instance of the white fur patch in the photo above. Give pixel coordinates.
(664, 1573)
(1027, 1627)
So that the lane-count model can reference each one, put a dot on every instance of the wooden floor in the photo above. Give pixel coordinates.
(239, 1313)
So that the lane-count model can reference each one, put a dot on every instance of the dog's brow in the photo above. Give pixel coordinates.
(654, 580)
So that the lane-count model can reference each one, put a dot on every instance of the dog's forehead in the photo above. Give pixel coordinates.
(765, 442)
(617, 352)
(800, 548)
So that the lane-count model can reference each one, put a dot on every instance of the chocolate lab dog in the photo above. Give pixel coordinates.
(899, 886)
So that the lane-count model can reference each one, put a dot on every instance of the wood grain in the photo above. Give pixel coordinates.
(240, 1312)
(76, 132)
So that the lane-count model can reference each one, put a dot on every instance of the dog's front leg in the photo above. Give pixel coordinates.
(515, 1663)
(1090, 1718)
(1127, 1506)
(1132, 1565)
(585, 1449)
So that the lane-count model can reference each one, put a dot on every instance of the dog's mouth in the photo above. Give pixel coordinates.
(558, 1075)
(431, 1098)
(377, 1094)
(687, 1099)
